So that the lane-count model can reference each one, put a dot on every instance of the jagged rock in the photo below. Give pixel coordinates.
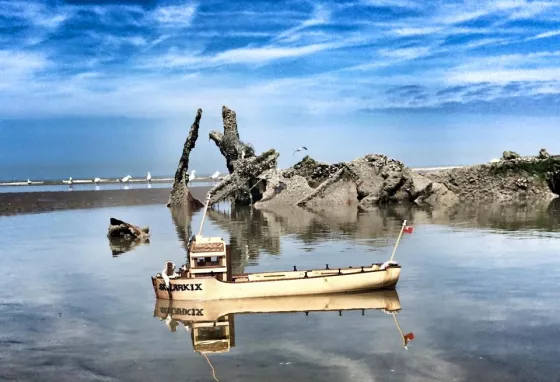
(314, 172)
(121, 229)
(522, 183)
(543, 154)
(340, 188)
(437, 194)
(180, 194)
(510, 155)
(508, 181)
(243, 185)
(229, 143)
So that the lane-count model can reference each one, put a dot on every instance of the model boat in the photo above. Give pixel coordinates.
(208, 275)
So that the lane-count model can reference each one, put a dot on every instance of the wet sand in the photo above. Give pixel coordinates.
(15, 203)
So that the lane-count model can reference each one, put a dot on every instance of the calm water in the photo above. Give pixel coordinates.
(479, 290)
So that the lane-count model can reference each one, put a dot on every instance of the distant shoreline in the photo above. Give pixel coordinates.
(16, 203)
(76, 182)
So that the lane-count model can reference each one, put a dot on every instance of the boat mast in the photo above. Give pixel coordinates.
(398, 239)
(204, 215)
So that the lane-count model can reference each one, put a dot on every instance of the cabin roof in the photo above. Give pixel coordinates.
(208, 244)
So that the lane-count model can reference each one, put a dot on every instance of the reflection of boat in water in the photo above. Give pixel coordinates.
(212, 310)
(209, 276)
(212, 326)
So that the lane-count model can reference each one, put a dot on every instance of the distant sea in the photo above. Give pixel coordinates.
(85, 149)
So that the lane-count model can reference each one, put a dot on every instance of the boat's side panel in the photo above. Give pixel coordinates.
(207, 288)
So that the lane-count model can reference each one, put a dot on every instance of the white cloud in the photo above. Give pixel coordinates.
(175, 14)
(406, 53)
(545, 35)
(505, 76)
(18, 67)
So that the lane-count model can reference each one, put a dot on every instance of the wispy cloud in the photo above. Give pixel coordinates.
(176, 15)
(326, 56)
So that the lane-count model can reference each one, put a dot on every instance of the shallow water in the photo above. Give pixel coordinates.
(479, 290)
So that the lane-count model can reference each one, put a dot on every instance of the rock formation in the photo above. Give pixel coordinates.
(180, 194)
(245, 168)
(229, 143)
(510, 155)
(512, 180)
(366, 182)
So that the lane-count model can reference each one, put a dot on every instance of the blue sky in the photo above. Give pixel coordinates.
(425, 81)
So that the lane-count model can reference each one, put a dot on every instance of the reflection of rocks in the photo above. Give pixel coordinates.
(120, 245)
(249, 233)
(182, 217)
(375, 227)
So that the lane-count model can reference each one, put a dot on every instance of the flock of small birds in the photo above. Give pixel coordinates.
(215, 176)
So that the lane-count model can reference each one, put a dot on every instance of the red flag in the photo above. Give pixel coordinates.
(408, 229)
(408, 337)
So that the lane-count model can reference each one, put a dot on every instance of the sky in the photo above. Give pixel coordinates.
(94, 83)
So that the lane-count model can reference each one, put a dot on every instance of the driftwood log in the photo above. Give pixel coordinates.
(180, 193)
(244, 166)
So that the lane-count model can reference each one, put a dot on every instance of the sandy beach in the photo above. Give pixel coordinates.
(14, 203)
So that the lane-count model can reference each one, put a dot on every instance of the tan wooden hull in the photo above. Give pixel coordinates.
(283, 284)
(212, 310)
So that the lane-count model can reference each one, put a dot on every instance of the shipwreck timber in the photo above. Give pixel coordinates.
(180, 193)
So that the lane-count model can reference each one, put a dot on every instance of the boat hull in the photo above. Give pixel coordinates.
(209, 288)
(212, 310)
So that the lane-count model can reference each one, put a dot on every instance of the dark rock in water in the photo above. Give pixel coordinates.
(121, 229)
(180, 193)
(543, 154)
(510, 155)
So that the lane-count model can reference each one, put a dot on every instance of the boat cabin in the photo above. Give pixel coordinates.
(209, 256)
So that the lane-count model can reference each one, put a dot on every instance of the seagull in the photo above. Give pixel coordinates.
(125, 179)
(149, 177)
(191, 176)
(96, 180)
(215, 175)
(300, 149)
(28, 181)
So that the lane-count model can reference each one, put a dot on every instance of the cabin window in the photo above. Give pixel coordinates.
(208, 334)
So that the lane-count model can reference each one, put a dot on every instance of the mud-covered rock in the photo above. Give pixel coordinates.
(510, 155)
(543, 154)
